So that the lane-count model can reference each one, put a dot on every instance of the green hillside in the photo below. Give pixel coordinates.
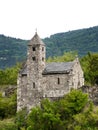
(82, 41)
(14, 50)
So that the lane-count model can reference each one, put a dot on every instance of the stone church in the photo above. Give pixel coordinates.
(38, 79)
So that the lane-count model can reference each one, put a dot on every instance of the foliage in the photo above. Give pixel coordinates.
(73, 112)
(90, 68)
(8, 106)
(20, 119)
(5, 125)
(9, 75)
(67, 56)
(83, 41)
(12, 50)
(87, 120)
(72, 103)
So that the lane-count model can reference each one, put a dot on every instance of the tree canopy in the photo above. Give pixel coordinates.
(73, 112)
(90, 67)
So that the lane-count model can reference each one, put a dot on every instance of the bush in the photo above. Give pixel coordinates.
(7, 125)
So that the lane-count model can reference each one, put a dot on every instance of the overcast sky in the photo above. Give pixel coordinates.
(20, 18)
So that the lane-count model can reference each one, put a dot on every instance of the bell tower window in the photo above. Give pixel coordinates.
(33, 85)
(33, 48)
(42, 48)
(34, 58)
(42, 58)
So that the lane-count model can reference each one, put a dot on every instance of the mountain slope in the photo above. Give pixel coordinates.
(13, 50)
(82, 40)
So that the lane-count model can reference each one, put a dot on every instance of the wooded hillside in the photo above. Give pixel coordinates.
(14, 50)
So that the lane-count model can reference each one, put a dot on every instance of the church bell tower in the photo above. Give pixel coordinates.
(35, 67)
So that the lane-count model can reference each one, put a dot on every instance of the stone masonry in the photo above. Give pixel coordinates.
(38, 80)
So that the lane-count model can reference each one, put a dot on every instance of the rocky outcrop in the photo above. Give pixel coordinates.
(8, 90)
(92, 92)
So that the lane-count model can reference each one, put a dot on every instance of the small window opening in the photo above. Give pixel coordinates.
(79, 83)
(33, 48)
(58, 80)
(42, 48)
(33, 85)
(45, 95)
(42, 58)
(72, 83)
(33, 58)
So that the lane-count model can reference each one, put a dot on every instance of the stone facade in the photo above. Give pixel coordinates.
(38, 80)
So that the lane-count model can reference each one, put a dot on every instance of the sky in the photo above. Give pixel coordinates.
(21, 18)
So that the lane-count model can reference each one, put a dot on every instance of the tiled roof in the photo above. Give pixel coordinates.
(58, 68)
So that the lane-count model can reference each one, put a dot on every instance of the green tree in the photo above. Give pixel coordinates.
(90, 67)
(21, 119)
(9, 75)
(67, 56)
(86, 120)
(93, 68)
(44, 118)
(57, 115)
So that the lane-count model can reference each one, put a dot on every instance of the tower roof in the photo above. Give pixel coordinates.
(36, 40)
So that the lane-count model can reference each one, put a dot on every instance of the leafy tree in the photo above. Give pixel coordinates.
(90, 67)
(86, 120)
(8, 106)
(93, 68)
(9, 75)
(4, 125)
(20, 119)
(67, 56)
(57, 115)
(73, 103)
(44, 118)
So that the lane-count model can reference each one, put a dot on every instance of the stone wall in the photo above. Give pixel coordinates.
(7, 90)
(21, 92)
(78, 76)
(92, 92)
(55, 85)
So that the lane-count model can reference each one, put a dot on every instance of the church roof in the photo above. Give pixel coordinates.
(58, 68)
(53, 68)
(36, 40)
